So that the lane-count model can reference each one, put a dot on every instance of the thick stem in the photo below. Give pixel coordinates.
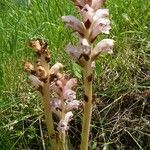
(63, 134)
(48, 117)
(63, 141)
(48, 111)
(87, 74)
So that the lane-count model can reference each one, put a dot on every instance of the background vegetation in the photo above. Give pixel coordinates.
(121, 117)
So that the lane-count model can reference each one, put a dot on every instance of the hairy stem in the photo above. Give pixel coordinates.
(87, 74)
(62, 134)
(48, 111)
(63, 141)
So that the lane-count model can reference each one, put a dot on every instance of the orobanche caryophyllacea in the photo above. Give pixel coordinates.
(95, 21)
(58, 89)
(50, 81)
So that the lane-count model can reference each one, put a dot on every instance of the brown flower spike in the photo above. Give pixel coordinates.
(49, 81)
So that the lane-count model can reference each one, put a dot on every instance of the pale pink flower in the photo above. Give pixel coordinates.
(101, 13)
(57, 87)
(56, 103)
(74, 23)
(70, 105)
(56, 68)
(104, 46)
(56, 107)
(101, 25)
(63, 124)
(74, 51)
(35, 82)
(82, 48)
(87, 13)
(69, 94)
(96, 4)
(70, 84)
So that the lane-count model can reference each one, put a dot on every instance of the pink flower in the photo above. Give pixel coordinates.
(101, 25)
(70, 84)
(35, 82)
(69, 94)
(74, 23)
(104, 46)
(56, 103)
(55, 68)
(56, 107)
(57, 87)
(87, 13)
(74, 51)
(70, 105)
(63, 124)
(101, 13)
(81, 49)
(96, 4)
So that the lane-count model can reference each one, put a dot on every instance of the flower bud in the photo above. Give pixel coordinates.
(29, 68)
(35, 82)
(41, 73)
(55, 68)
(35, 44)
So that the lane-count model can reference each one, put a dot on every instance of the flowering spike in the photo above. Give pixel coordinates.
(94, 21)
(50, 80)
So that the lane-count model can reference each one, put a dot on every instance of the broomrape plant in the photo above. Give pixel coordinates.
(50, 81)
(95, 21)
(57, 89)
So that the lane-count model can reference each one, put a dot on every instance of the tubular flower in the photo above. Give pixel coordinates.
(63, 124)
(55, 68)
(82, 50)
(74, 23)
(104, 46)
(34, 81)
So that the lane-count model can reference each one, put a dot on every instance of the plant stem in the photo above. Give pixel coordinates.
(62, 134)
(48, 111)
(63, 141)
(87, 75)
